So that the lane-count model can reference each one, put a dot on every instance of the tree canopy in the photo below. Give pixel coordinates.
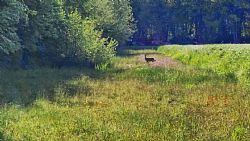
(58, 31)
(192, 21)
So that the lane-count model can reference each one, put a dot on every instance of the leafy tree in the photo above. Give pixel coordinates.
(124, 25)
(87, 42)
(114, 18)
(11, 12)
(46, 22)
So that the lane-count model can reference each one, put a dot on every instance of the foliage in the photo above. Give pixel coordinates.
(185, 22)
(49, 37)
(12, 11)
(114, 18)
(88, 42)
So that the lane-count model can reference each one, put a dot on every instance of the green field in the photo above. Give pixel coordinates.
(202, 95)
(230, 60)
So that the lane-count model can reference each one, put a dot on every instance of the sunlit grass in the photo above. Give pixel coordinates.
(229, 60)
(130, 101)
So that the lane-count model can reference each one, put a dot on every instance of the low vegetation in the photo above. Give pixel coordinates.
(229, 60)
(130, 100)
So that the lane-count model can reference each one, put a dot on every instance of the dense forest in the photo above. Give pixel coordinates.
(62, 32)
(192, 21)
(87, 32)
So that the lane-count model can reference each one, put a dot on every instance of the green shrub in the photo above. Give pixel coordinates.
(87, 43)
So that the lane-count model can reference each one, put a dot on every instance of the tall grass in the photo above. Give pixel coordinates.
(130, 101)
(229, 59)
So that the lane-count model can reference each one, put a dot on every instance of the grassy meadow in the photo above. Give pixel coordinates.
(193, 97)
(230, 60)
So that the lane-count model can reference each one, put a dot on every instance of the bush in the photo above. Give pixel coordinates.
(87, 43)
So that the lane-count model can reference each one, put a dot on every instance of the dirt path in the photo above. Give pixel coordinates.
(161, 60)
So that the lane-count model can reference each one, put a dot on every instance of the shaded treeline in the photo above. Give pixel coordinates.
(192, 21)
(60, 32)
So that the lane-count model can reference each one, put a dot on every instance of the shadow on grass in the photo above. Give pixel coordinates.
(2, 138)
(23, 87)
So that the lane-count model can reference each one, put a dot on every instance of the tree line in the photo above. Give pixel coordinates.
(192, 21)
(59, 32)
(87, 32)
